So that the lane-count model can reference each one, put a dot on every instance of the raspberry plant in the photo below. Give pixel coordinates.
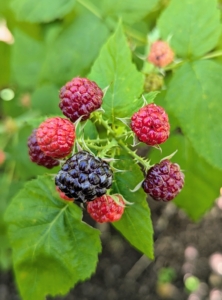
(59, 50)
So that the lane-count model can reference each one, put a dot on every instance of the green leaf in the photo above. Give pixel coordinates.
(75, 49)
(194, 95)
(27, 58)
(135, 224)
(130, 11)
(46, 99)
(186, 21)
(61, 56)
(41, 11)
(90, 131)
(9, 187)
(114, 68)
(4, 64)
(52, 248)
(202, 181)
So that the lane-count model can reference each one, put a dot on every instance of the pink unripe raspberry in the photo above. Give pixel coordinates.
(105, 209)
(160, 54)
(37, 155)
(56, 137)
(164, 181)
(80, 97)
(151, 125)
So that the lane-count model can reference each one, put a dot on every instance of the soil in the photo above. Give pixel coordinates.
(182, 248)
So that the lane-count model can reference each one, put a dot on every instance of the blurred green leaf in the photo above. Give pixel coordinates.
(194, 96)
(114, 69)
(46, 99)
(202, 181)
(74, 50)
(63, 54)
(27, 59)
(52, 248)
(135, 224)
(129, 11)
(9, 187)
(41, 11)
(4, 64)
(194, 26)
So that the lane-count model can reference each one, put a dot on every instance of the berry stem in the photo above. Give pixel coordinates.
(119, 140)
(136, 157)
(213, 54)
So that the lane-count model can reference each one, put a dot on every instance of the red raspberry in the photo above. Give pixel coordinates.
(164, 181)
(79, 97)
(151, 125)
(63, 195)
(105, 209)
(56, 137)
(37, 156)
(160, 54)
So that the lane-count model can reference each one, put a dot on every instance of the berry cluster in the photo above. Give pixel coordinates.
(86, 178)
(83, 177)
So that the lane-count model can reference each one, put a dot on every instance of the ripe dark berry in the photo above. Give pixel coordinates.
(63, 195)
(79, 97)
(105, 209)
(160, 54)
(151, 125)
(164, 181)
(56, 137)
(37, 155)
(84, 177)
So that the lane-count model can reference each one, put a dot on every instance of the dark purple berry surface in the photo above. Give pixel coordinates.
(84, 177)
(164, 181)
(79, 97)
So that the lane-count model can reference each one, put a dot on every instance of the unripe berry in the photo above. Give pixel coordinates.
(153, 82)
(37, 155)
(56, 137)
(151, 125)
(160, 54)
(106, 209)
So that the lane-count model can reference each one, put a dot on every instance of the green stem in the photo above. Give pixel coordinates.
(174, 66)
(138, 158)
(93, 9)
(213, 54)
